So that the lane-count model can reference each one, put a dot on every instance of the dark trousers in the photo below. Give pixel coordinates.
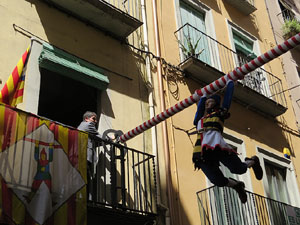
(210, 165)
(90, 185)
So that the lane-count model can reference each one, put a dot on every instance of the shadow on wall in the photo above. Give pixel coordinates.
(213, 4)
(247, 22)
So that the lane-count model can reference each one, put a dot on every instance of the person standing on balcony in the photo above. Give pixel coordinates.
(89, 125)
(211, 149)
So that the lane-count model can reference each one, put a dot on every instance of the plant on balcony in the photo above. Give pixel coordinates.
(290, 28)
(189, 48)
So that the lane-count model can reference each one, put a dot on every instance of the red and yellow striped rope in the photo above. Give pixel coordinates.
(12, 92)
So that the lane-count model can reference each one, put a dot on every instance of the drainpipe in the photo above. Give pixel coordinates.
(150, 99)
(164, 125)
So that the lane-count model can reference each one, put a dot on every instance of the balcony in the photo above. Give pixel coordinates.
(219, 206)
(245, 6)
(44, 168)
(122, 189)
(289, 25)
(119, 18)
(260, 90)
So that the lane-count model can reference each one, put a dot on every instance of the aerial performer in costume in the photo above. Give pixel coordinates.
(211, 149)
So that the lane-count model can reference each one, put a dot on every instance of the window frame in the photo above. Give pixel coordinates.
(276, 183)
(263, 88)
(208, 21)
(232, 28)
(33, 78)
(281, 162)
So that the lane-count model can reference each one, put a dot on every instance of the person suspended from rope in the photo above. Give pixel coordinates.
(210, 148)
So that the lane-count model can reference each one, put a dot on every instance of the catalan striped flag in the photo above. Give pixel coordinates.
(12, 92)
(42, 171)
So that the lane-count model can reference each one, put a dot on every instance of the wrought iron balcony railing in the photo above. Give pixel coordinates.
(195, 43)
(122, 178)
(222, 206)
(287, 15)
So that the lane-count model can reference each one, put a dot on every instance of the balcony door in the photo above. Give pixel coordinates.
(192, 36)
(244, 48)
(57, 101)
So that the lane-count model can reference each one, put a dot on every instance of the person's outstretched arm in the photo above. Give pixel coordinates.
(200, 110)
(91, 128)
(228, 95)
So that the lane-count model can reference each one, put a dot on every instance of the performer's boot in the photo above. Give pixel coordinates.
(239, 186)
(254, 163)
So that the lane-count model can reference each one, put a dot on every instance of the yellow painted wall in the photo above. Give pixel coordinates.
(129, 97)
(127, 90)
(252, 128)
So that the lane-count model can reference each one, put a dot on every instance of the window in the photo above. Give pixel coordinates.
(193, 41)
(279, 178)
(68, 86)
(286, 11)
(276, 178)
(61, 86)
(64, 99)
(244, 46)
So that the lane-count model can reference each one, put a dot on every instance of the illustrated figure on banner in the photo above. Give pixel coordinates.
(43, 167)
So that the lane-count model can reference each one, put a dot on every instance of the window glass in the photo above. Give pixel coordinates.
(286, 12)
(244, 48)
(192, 36)
(242, 44)
(276, 178)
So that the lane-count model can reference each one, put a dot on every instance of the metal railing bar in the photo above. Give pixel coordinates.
(128, 179)
(211, 208)
(134, 182)
(145, 186)
(257, 210)
(150, 189)
(140, 184)
(108, 142)
(123, 189)
(104, 175)
(142, 161)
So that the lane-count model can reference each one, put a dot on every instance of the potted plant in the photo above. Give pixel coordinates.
(189, 48)
(290, 28)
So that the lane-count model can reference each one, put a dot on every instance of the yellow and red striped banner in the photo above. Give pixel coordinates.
(42, 170)
(12, 91)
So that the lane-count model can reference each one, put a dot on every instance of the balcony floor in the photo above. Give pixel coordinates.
(101, 15)
(110, 216)
(243, 5)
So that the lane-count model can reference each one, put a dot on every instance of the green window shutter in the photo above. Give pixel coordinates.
(242, 44)
(59, 61)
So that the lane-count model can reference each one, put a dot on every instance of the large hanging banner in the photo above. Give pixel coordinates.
(42, 170)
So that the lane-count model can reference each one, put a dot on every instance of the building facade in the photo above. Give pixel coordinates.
(205, 40)
(281, 13)
(130, 60)
(83, 58)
